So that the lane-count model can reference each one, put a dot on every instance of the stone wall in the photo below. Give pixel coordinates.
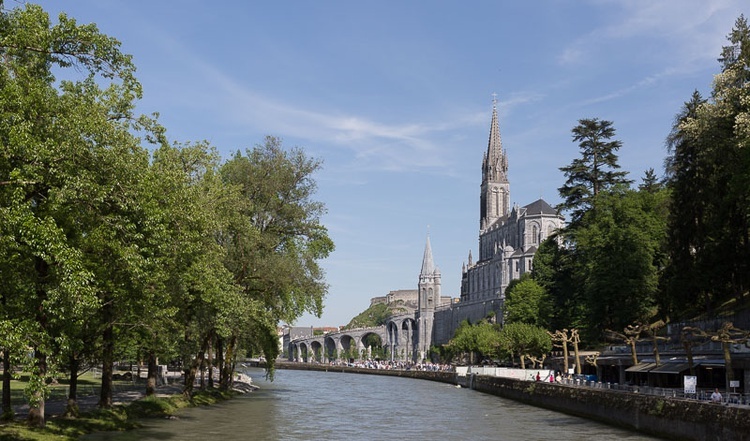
(447, 320)
(671, 418)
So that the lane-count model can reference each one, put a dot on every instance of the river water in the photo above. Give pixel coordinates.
(309, 405)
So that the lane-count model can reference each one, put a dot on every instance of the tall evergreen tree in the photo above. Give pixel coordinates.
(595, 171)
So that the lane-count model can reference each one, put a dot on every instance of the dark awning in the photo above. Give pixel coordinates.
(641, 367)
(671, 368)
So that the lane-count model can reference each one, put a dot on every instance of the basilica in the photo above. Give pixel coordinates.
(508, 239)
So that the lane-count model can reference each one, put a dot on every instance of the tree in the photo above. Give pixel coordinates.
(595, 171)
(684, 282)
(619, 247)
(710, 179)
(555, 270)
(275, 241)
(481, 339)
(650, 182)
(525, 340)
(527, 302)
(52, 134)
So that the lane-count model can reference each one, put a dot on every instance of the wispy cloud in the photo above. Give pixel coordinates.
(374, 145)
(685, 30)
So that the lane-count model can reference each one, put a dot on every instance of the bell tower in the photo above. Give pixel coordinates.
(429, 298)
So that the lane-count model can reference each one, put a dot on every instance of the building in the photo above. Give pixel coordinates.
(508, 239)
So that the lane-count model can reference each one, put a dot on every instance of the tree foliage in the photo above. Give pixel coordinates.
(116, 249)
(709, 176)
(596, 170)
(524, 340)
(527, 302)
(480, 340)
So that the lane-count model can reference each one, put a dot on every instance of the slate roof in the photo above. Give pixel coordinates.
(540, 206)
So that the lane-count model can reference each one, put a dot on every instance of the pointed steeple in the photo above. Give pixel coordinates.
(428, 266)
(495, 164)
(495, 189)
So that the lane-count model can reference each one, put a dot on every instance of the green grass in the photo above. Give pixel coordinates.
(119, 418)
(88, 385)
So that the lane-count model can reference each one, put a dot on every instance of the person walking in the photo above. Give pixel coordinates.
(716, 396)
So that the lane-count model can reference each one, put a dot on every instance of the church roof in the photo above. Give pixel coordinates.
(540, 206)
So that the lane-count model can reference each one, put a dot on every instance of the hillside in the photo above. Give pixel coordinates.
(378, 314)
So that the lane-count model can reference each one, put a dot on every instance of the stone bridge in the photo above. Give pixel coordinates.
(395, 341)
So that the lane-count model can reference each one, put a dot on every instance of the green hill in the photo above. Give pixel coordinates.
(377, 315)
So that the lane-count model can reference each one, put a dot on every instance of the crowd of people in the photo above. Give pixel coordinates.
(395, 365)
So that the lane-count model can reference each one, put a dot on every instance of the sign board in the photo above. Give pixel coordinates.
(734, 383)
(690, 382)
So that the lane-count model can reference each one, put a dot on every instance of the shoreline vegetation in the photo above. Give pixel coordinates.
(131, 406)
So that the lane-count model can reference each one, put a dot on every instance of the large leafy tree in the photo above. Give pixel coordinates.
(481, 339)
(527, 302)
(525, 340)
(710, 179)
(52, 137)
(621, 252)
(274, 244)
(554, 270)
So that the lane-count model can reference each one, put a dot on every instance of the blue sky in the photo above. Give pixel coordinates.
(395, 97)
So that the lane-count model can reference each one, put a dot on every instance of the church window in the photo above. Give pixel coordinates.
(536, 235)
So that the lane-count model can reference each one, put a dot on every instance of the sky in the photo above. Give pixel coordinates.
(395, 98)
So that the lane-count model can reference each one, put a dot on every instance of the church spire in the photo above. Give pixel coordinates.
(495, 189)
(428, 266)
(495, 164)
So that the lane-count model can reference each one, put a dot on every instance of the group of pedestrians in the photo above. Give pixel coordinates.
(395, 365)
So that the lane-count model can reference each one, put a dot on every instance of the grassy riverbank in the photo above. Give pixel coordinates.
(121, 417)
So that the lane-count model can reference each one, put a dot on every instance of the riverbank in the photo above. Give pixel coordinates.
(669, 418)
(130, 406)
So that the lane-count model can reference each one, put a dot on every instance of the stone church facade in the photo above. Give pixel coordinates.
(508, 239)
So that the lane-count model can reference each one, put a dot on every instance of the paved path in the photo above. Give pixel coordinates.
(89, 402)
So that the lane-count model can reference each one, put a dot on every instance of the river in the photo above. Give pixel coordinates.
(310, 405)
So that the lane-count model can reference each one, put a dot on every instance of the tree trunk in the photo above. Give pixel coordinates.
(219, 357)
(227, 371)
(633, 351)
(8, 413)
(727, 363)
(71, 408)
(36, 412)
(192, 370)
(210, 362)
(689, 352)
(151, 375)
(566, 354)
(108, 351)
